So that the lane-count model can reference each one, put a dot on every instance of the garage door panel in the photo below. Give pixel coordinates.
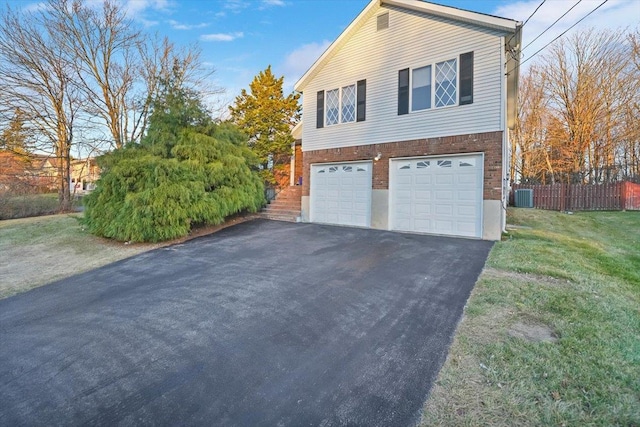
(443, 226)
(441, 195)
(466, 228)
(341, 194)
(465, 211)
(466, 196)
(421, 224)
(467, 179)
(445, 179)
(422, 195)
(444, 209)
(421, 209)
(403, 209)
(423, 179)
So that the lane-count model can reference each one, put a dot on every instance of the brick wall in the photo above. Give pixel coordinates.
(298, 162)
(489, 143)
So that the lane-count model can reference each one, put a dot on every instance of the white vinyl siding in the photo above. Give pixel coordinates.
(413, 40)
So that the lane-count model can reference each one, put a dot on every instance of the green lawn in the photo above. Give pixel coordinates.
(551, 333)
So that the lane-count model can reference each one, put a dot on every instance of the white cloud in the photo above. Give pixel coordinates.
(273, 3)
(147, 23)
(298, 61)
(614, 14)
(136, 7)
(179, 26)
(236, 5)
(221, 37)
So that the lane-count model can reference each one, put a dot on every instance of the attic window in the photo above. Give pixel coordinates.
(383, 21)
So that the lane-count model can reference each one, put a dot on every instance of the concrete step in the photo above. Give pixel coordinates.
(287, 197)
(295, 212)
(286, 206)
(280, 217)
(279, 209)
(281, 204)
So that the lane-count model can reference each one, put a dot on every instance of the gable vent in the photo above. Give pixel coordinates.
(383, 21)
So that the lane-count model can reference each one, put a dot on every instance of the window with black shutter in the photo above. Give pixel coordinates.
(466, 78)
(320, 110)
(362, 101)
(403, 91)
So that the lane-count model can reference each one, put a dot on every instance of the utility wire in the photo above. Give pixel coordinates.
(527, 20)
(554, 23)
(561, 34)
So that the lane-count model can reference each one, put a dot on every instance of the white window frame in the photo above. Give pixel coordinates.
(433, 85)
(355, 105)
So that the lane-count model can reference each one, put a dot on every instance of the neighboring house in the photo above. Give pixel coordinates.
(35, 172)
(406, 121)
(84, 174)
(24, 172)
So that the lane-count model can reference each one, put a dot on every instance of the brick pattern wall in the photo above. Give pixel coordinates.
(489, 143)
(298, 162)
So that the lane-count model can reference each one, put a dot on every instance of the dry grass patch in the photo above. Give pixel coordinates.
(40, 250)
(36, 251)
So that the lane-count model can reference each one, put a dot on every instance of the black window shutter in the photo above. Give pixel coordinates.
(466, 78)
(403, 91)
(362, 101)
(320, 110)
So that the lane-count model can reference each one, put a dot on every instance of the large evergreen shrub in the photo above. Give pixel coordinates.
(186, 171)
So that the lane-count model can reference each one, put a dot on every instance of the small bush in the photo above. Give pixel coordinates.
(23, 205)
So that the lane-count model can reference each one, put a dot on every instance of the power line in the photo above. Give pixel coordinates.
(554, 23)
(560, 35)
(527, 20)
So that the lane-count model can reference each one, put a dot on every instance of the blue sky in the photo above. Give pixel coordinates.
(239, 38)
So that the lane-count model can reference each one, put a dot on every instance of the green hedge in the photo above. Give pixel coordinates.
(147, 194)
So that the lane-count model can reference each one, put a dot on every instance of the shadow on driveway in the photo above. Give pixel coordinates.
(263, 323)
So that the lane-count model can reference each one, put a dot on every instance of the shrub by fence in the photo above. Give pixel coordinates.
(584, 197)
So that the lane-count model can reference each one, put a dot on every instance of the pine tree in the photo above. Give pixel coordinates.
(267, 117)
(15, 138)
(187, 171)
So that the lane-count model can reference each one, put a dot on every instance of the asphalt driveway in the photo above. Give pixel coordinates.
(263, 323)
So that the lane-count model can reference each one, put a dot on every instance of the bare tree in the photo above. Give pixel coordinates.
(118, 66)
(106, 45)
(578, 111)
(35, 75)
(530, 158)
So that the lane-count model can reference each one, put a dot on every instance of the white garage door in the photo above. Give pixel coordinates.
(341, 193)
(439, 195)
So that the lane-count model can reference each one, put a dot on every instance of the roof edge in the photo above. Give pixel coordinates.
(481, 19)
(302, 81)
(449, 12)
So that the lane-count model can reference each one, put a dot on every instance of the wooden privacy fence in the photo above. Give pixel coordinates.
(584, 197)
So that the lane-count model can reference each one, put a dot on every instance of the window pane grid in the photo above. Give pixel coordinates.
(333, 106)
(349, 104)
(446, 84)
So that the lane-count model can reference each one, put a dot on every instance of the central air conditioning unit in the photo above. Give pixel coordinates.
(524, 198)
